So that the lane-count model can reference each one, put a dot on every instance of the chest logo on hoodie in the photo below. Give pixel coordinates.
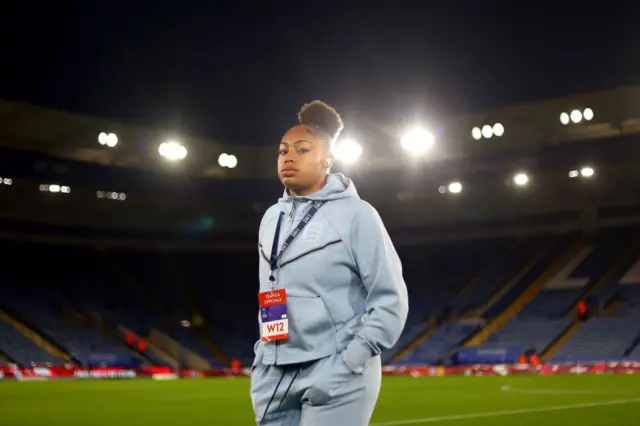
(313, 232)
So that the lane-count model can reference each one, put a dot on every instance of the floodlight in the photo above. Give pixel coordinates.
(108, 139)
(576, 116)
(587, 172)
(455, 187)
(347, 151)
(172, 151)
(588, 114)
(417, 141)
(226, 160)
(520, 179)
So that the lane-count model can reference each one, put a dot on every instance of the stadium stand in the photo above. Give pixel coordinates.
(605, 338)
(447, 300)
(83, 343)
(449, 303)
(552, 311)
(545, 318)
(21, 349)
(232, 325)
(490, 273)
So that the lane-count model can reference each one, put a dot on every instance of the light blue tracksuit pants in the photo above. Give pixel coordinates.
(318, 393)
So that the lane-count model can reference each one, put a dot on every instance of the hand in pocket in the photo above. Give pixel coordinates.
(331, 380)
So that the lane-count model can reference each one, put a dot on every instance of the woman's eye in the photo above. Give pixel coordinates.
(303, 150)
(282, 152)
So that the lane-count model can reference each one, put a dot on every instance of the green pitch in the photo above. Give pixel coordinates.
(453, 401)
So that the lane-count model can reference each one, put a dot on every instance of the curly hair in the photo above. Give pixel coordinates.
(322, 117)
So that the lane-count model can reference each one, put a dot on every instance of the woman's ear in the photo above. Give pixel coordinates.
(329, 162)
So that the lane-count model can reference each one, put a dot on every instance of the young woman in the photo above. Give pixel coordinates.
(332, 295)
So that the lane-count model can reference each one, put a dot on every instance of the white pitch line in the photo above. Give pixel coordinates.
(507, 388)
(507, 412)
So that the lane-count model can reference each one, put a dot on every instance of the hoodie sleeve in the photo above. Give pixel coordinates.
(387, 300)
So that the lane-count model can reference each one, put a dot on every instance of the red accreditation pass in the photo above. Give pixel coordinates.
(273, 315)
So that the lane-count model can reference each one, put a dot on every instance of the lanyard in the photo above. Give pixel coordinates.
(275, 256)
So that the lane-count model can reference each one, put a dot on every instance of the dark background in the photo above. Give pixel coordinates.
(237, 71)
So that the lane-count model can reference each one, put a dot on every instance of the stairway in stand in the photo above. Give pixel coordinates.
(527, 296)
(561, 339)
(35, 337)
(626, 255)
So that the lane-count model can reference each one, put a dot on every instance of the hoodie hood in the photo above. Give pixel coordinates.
(336, 187)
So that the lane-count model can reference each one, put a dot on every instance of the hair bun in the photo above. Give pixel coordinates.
(321, 116)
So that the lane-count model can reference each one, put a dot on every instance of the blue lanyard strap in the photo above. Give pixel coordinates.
(275, 256)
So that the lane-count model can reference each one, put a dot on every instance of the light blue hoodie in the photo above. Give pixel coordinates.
(342, 275)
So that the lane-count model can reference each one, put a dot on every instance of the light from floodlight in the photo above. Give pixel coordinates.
(172, 151)
(112, 140)
(455, 187)
(110, 195)
(348, 151)
(576, 116)
(498, 129)
(476, 133)
(587, 172)
(564, 118)
(487, 131)
(588, 114)
(417, 141)
(108, 139)
(521, 179)
(226, 160)
(55, 188)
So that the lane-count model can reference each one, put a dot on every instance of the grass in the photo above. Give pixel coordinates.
(475, 400)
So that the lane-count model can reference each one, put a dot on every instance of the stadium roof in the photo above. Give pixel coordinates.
(526, 126)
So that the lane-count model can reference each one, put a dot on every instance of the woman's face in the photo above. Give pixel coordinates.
(303, 160)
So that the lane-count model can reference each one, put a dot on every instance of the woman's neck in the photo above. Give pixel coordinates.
(301, 192)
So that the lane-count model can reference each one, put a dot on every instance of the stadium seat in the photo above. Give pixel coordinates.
(21, 349)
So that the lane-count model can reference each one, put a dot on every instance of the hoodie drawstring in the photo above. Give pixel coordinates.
(286, 392)
(273, 395)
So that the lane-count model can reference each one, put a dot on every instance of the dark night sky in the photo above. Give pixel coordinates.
(238, 71)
